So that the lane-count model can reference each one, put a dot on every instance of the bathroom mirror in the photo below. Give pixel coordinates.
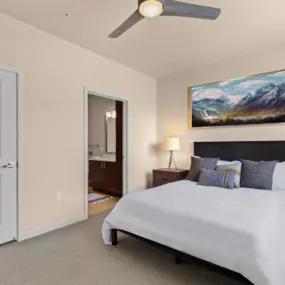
(110, 117)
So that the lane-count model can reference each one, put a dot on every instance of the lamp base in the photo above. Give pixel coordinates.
(171, 160)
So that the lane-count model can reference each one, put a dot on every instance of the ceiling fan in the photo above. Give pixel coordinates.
(155, 8)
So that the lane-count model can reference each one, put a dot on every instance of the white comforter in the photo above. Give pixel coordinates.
(242, 230)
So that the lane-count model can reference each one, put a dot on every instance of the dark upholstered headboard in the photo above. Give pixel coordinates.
(251, 150)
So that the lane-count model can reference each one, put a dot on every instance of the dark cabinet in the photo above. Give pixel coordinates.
(96, 175)
(105, 177)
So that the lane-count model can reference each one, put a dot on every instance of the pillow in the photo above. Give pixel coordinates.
(223, 162)
(234, 166)
(197, 163)
(257, 175)
(279, 177)
(224, 179)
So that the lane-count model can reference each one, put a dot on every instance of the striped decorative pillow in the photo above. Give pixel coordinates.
(223, 179)
(234, 166)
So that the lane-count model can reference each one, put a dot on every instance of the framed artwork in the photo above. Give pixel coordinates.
(258, 99)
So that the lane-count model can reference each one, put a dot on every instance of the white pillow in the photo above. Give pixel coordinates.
(238, 166)
(224, 162)
(279, 177)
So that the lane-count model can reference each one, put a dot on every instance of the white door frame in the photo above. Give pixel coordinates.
(20, 139)
(126, 174)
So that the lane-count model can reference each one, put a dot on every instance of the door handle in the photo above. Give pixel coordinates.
(8, 165)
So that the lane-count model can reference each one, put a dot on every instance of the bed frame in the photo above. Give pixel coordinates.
(180, 257)
(251, 150)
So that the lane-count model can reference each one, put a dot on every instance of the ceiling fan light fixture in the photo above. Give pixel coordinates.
(151, 8)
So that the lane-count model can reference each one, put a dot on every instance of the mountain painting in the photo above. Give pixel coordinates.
(254, 100)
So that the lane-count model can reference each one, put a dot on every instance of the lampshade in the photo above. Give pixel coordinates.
(172, 143)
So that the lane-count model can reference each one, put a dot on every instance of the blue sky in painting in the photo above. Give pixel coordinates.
(236, 89)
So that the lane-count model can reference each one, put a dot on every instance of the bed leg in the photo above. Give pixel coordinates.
(114, 237)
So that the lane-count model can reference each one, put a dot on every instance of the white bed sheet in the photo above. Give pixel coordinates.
(242, 230)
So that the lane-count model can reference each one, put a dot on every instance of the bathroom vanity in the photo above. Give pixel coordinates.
(106, 166)
(104, 176)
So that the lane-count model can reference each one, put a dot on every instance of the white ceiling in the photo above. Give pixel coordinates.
(164, 45)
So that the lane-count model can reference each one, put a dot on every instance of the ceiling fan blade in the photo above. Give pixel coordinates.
(131, 21)
(179, 9)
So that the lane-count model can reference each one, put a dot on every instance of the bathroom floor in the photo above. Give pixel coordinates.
(101, 206)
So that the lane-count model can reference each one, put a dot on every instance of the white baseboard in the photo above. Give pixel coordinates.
(41, 231)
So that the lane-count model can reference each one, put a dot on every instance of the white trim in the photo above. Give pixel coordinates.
(21, 138)
(20, 142)
(126, 174)
(44, 230)
(86, 166)
(126, 153)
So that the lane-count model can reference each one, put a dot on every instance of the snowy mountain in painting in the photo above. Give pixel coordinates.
(271, 99)
(211, 107)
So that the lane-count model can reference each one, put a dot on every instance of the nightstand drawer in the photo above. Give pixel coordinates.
(164, 175)
(161, 178)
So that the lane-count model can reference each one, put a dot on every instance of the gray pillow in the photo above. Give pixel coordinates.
(197, 163)
(258, 175)
(234, 166)
(223, 179)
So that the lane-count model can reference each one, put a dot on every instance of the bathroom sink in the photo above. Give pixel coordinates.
(105, 157)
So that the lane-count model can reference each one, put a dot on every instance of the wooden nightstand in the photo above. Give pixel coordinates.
(164, 175)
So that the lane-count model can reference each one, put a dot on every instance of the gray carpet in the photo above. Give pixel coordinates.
(77, 255)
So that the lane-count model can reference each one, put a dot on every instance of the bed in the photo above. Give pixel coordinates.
(241, 230)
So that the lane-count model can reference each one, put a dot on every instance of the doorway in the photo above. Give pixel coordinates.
(105, 151)
(8, 155)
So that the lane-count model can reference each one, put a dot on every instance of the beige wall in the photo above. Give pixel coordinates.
(54, 73)
(97, 107)
(172, 105)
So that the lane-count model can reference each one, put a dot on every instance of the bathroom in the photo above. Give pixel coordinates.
(105, 155)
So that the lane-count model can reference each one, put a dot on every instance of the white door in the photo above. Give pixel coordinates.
(8, 156)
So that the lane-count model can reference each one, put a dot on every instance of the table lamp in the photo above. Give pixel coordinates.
(172, 144)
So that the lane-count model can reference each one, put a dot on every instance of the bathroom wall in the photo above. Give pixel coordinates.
(97, 107)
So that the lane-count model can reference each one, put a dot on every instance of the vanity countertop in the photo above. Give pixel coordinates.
(106, 158)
